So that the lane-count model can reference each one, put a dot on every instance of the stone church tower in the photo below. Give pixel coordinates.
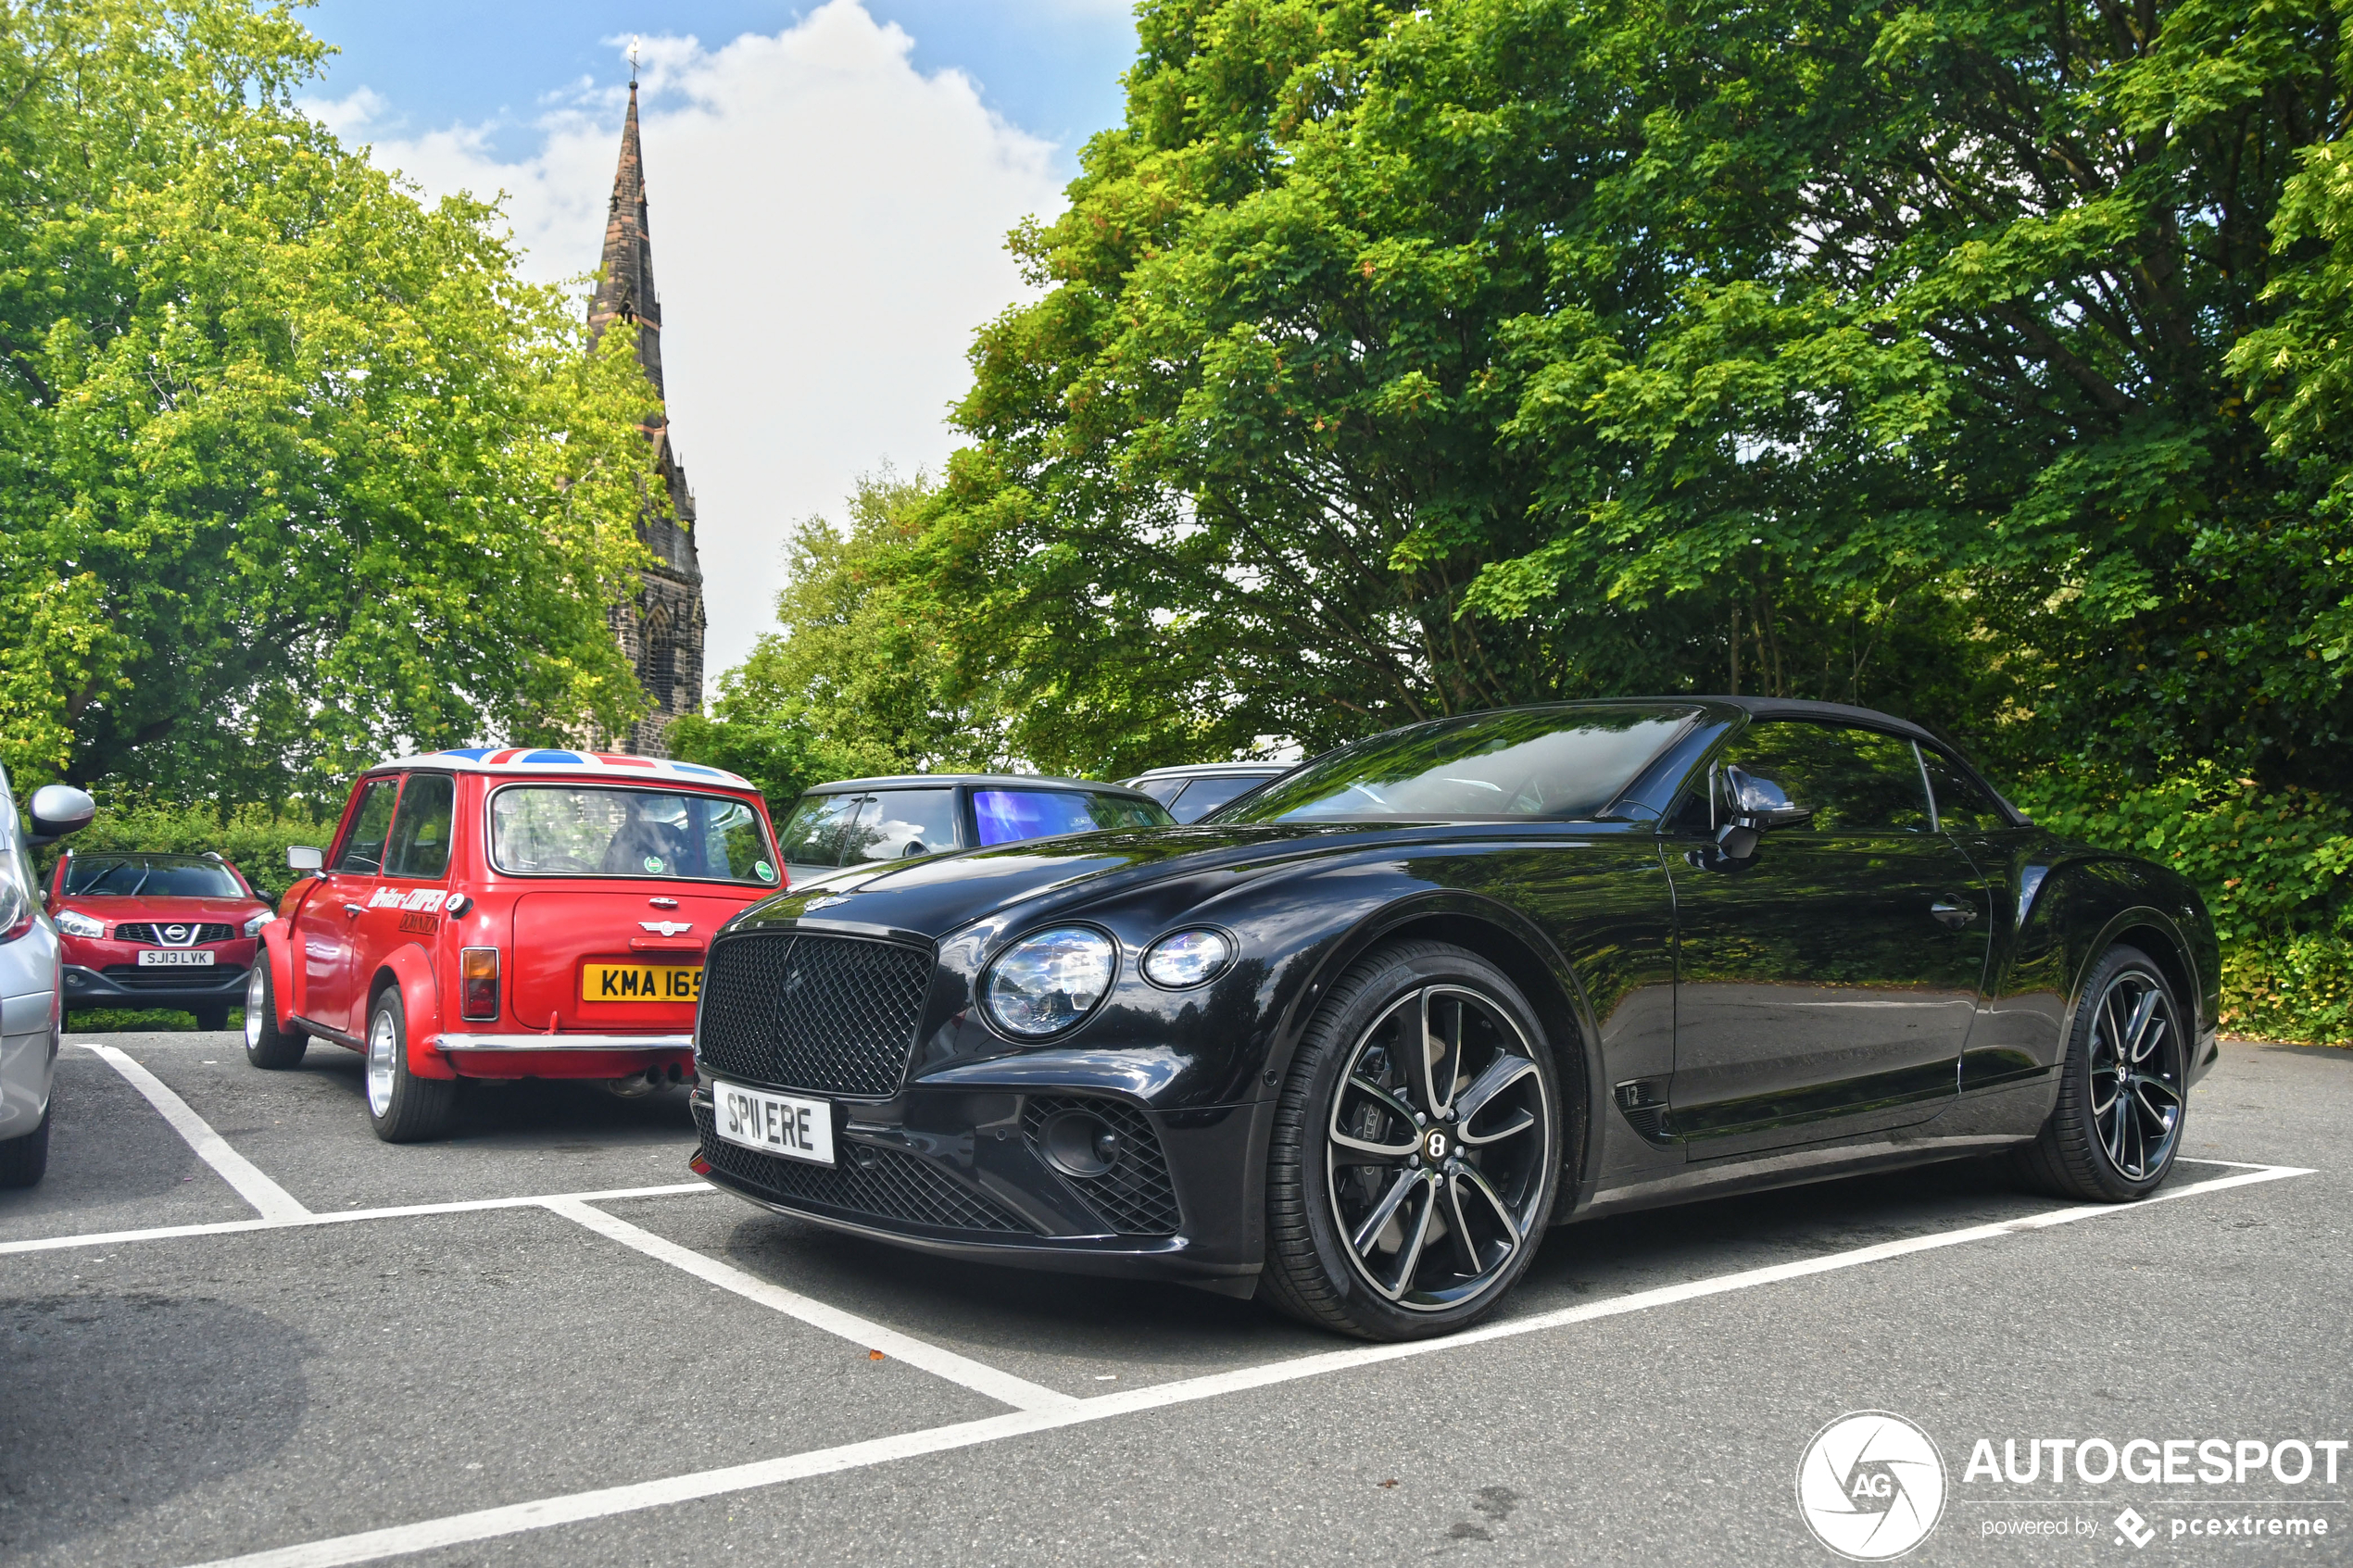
(661, 634)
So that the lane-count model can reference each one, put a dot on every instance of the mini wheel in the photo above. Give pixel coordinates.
(267, 1046)
(2123, 1087)
(1416, 1148)
(402, 1108)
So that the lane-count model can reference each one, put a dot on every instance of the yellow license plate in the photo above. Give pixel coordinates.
(639, 982)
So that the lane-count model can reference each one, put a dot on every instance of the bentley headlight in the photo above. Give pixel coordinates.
(1185, 959)
(73, 923)
(1048, 982)
(253, 927)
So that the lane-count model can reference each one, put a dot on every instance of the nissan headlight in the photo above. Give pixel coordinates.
(1045, 982)
(1185, 959)
(254, 925)
(73, 923)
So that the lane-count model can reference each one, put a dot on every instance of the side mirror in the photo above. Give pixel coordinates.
(59, 810)
(302, 857)
(1757, 804)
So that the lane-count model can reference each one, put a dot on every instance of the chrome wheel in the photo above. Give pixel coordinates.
(1436, 1152)
(2135, 1059)
(257, 1000)
(383, 1046)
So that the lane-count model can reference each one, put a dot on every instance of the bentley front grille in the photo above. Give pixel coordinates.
(833, 1015)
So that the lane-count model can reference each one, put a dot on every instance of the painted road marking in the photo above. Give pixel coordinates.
(489, 1524)
(273, 1201)
(1003, 1387)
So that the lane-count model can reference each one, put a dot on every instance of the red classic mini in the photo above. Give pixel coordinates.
(509, 913)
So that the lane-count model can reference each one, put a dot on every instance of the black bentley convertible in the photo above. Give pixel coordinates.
(1355, 1041)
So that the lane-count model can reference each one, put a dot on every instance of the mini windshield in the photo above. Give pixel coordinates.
(150, 876)
(565, 830)
(1551, 763)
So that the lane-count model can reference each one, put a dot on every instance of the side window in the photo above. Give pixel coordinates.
(904, 822)
(363, 847)
(1854, 780)
(1123, 812)
(812, 834)
(1962, 804)
(421, 829)
(1162, 790)
(1205, 796)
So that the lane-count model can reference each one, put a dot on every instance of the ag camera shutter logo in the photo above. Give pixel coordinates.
(1872, 1486)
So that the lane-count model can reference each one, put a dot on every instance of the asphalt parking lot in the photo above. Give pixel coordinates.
(237, 1328)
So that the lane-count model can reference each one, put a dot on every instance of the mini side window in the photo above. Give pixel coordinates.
(421, 829)
(363, 847)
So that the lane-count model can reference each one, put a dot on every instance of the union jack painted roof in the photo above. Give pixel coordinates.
(549, 760)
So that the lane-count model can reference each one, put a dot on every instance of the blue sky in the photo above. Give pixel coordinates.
(1050, 66)
(830, 185)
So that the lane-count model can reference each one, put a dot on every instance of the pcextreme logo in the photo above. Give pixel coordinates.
(1871, 1485)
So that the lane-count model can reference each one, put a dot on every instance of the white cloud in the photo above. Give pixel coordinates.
(828, 228)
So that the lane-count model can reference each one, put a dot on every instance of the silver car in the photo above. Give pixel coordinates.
(31, 994)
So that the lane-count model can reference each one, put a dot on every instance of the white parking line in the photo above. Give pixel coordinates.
(345, 1217)
(488, 1523)
(1003, 1387)
(274, 1201)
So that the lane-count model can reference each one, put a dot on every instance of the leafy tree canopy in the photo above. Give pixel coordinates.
(1980, 360)
(293, 469)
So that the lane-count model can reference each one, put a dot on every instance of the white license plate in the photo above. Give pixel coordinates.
(798, 1129)
(194, 957)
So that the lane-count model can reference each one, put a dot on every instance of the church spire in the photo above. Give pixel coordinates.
(625, 281)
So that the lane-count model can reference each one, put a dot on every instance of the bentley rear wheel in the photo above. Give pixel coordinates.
(1416, 1148)
(2123, 1087)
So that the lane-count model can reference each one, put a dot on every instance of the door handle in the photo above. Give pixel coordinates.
(1952, 912)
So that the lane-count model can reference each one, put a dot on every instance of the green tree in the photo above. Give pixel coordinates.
(293, 468)
(1398, 360)
(856, 679)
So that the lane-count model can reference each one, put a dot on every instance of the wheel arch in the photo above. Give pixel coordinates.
(410, 970)
(1509, 941)
(277, 951)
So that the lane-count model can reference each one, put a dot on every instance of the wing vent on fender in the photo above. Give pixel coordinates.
(1642, 1101)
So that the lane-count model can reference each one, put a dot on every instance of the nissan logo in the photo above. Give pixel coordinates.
(175, 933)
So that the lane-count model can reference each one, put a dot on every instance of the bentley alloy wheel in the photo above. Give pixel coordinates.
(2117, 1122)
(2136, 1073)
(1432, 1151)
(1438, 1140)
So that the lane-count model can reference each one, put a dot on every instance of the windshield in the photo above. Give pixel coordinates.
(563, 830)
(150, 876)
(1007, 816)
(1552, 763)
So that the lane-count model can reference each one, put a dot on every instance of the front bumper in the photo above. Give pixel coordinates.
(220, 984)
(962, 1174)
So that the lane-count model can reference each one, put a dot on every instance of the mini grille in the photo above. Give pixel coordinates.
(154, 934)
(879, 1182)
(831, 1014)
(1134, 1196)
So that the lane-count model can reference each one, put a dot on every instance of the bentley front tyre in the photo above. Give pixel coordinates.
(2123, 1087)
(402, 1108)
(268, 1046)
(1416, 1148)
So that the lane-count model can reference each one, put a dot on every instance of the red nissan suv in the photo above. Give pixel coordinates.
(142, 930)
(509, 913)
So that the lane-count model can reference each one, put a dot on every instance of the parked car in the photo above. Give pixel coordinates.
(1193, 790)
(858, 821)
(31, 992)
(147, 930)
(509, 913)
(1353, 1046)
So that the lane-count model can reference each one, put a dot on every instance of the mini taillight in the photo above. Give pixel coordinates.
(478, 983)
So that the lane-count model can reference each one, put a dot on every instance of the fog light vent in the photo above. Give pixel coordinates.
(1111, 1156)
